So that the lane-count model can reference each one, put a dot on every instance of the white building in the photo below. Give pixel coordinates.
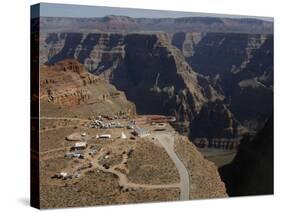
(141, 132)
(80, 145)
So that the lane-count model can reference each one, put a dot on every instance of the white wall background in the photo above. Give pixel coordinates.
(14, 102)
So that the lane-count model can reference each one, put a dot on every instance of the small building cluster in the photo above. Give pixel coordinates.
(105, 125)
(80, 148)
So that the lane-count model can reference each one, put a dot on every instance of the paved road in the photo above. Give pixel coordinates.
(167, 141)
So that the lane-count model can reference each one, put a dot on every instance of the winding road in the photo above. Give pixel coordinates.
(167, 141)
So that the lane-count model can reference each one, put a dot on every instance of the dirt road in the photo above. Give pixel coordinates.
(62, 118)
(123, 179)
(167, 141)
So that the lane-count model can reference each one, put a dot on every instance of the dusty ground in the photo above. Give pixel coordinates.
(151, 164)
(145, 175)
(136, 170)
(99, 188)
(95, 188)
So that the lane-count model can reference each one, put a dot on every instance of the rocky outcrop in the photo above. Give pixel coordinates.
(215, 126)
(251, 171)
(69, 85)
(186, 42)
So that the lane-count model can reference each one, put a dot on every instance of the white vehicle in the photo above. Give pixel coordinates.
(63, 175)
(104, 136)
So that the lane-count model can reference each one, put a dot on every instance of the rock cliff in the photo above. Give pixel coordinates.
(181, 74)
(145, 66)
(241, 65)
(215, 126)
(67, 84)
(251, 171)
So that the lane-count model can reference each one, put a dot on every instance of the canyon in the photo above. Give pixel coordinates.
(194, 76)
(214, 75)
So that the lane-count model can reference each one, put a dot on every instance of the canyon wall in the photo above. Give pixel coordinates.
(145, 66)
(193, 76)
(251, 171)
(241, 65)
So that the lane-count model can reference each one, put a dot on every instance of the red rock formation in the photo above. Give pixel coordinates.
(68, 84)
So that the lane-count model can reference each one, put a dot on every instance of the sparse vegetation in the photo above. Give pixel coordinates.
(204, 178)
(151, 164)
